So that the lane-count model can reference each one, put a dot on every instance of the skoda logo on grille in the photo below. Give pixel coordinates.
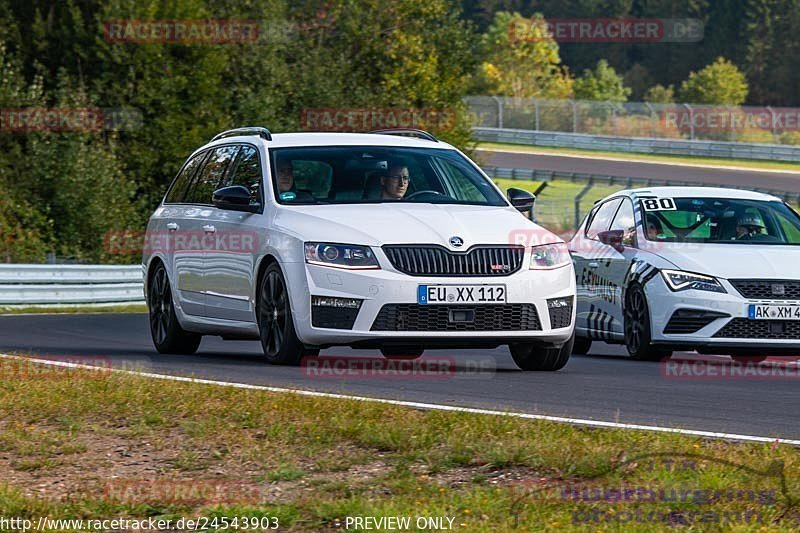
(456, 242)
(778, 289)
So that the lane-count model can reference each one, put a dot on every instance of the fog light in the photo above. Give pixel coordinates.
(557, 303)
(328, 301)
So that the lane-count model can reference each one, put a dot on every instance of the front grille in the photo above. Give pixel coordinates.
(685, 321)
(768, 289)
(490, 317)
(436, 260)
(744, 328)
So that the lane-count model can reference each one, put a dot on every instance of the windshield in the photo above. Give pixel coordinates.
(370, 174)
(720, 220)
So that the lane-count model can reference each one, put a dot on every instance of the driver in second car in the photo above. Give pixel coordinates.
(395, 183)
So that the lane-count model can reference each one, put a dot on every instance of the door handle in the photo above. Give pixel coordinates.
(208, 228)
(172, 226)
(594, 265)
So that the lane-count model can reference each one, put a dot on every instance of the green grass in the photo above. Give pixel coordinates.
(748, 163)
(316, 461)
(74, 309)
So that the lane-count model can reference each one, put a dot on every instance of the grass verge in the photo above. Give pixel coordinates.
(89, 445)
(747, 163)
(74, 309)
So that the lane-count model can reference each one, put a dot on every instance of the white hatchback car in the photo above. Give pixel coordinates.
(682, 268)
(311, 240)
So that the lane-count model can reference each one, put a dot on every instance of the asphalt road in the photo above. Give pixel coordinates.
(782, 181)
(604, 386)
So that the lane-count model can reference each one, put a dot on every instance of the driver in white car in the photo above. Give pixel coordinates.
(395, 183)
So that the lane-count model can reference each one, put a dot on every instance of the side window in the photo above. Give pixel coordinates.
(180, 185)
(247, 172)
(624, 221)
(210, 176)
(601, 219)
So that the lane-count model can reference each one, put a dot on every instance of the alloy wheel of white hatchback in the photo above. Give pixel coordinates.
(168, 335)
(637, 328)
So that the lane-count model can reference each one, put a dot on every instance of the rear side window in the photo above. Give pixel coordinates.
(601, 219)
(247, 173)
(179, 187)
(210, 176)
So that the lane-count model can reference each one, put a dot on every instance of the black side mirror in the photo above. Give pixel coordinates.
(234, 198)
(522, 200)
(612, 238)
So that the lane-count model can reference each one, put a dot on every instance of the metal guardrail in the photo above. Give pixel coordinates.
(22, 285)
(640, 145)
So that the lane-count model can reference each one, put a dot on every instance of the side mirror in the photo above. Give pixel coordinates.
(522, 200)
(234, 198)
(612, 238)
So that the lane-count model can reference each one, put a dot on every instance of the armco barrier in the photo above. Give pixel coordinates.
(22, 285)
(640, 145)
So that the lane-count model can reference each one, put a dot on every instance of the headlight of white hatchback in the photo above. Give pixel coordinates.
(549, 256)
(348, 256)
(678, 280)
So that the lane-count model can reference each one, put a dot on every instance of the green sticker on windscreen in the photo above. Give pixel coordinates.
(288, 195)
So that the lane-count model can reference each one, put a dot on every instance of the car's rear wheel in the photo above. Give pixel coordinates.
(278, 336)
(529, 356)
(402, 352)
(582, 345)
(638, 338)
(168, 335)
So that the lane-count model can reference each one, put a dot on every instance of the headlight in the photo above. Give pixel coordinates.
(678, 280)
(348, 256)
(547, 256)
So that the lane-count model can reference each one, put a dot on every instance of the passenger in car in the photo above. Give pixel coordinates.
(395, 182)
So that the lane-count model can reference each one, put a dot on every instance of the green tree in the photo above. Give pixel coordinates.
(521, 61)
(720, 83)
(658, 94)
(603, 83)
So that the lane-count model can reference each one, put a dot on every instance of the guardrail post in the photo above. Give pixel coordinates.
(652, 119)
(574, 116)
(578, 199)
(536, 114)
(499, 111)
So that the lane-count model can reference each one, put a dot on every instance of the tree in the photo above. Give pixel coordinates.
(601, 84)
(521, 61)
(658, 94)
(720, 83)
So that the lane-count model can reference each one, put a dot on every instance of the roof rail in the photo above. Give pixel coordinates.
(264, 133)
(407, 132)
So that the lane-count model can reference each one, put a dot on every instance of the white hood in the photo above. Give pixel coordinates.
(408, 223)
(731, 261)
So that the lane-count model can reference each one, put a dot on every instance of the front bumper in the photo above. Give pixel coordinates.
(731, 331)
(379, 288)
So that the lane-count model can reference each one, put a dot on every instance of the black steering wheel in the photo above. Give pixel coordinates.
(420, 193)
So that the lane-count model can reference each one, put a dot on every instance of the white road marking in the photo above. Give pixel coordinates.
(644, 161)
(421, 405)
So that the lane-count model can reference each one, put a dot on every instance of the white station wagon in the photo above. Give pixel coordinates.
(390, 240)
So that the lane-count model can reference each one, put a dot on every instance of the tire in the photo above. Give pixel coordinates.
(638, 337)
(402, 353)
(530, 356)
(167, 333)
(276, 328)
(582, 345)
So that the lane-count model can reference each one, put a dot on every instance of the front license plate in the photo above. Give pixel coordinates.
(773, 312)
(461, 294)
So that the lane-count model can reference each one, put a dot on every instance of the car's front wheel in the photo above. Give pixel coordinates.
(278, 337)
(168, 335)
(638, 337)
(529, 356)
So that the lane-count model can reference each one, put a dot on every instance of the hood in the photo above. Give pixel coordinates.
(379, 224)
(731, 261)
